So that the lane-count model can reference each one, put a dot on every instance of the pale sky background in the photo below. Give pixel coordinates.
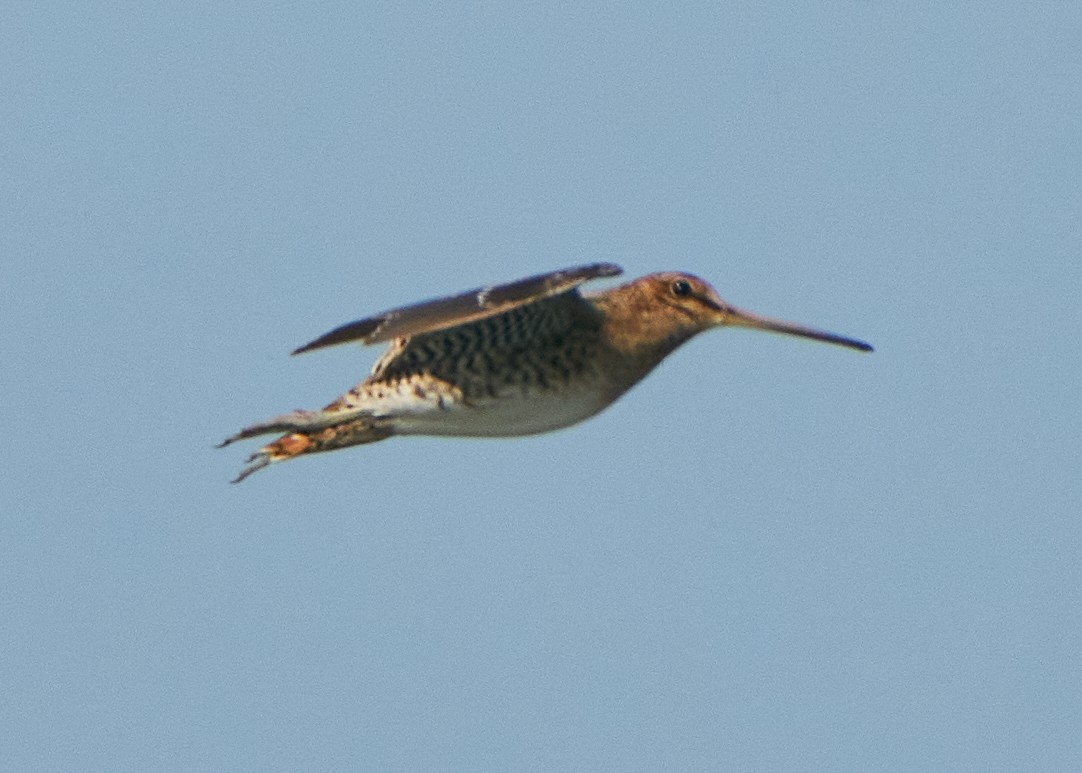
(771, 555)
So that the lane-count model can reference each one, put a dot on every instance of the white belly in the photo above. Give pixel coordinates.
(505, 416)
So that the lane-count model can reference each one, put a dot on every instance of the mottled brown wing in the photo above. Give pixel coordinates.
(471, 306)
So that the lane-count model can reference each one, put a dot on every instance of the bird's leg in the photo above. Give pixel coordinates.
(348, 433)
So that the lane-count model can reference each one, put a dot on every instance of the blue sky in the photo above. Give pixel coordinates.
(772, 554)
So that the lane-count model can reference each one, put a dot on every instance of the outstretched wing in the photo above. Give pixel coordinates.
(471, 306)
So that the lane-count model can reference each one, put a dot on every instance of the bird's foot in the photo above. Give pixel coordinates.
(322, 438)
(285, 447)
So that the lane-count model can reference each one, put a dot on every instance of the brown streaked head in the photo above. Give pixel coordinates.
(668, 308)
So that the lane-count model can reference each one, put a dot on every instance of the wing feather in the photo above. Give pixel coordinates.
(442, 313)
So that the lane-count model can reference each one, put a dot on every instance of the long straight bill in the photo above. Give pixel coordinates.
(741, 318)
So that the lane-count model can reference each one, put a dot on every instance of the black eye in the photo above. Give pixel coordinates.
(681, 288)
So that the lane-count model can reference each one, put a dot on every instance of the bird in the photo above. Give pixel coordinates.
(507, 360)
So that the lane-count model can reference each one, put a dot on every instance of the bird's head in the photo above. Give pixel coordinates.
(666, 309)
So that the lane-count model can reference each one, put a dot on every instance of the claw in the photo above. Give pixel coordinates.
(286, 447)
(256, 462)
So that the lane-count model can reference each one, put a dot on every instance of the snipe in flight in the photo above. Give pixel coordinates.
(515, 359)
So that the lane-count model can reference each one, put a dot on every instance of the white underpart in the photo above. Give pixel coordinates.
(509, 415)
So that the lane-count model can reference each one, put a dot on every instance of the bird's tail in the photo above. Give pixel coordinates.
(307, 433)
